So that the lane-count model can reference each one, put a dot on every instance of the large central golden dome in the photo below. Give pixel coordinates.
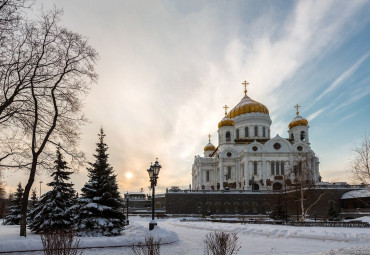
(247, 105)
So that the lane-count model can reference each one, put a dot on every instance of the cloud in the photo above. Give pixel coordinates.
(315, 115)
(345, 75)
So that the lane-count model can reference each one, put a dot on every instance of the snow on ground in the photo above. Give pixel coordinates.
(254, 239)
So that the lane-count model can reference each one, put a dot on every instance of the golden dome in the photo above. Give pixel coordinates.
(226, 121)
(209, 147)
(298, 121)
(247, 105)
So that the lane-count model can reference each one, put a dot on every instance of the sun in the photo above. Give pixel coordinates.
(128, 175)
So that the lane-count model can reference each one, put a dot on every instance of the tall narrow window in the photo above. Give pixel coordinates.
(303, 136)
(255, 168)
(228, 136)
(272, 168)
(228, 173)
(292, 137)
(255, 131)
(264, 132)
(246, 131)
(277, 168)
(237, 134)
(207, 176)
(282, 168)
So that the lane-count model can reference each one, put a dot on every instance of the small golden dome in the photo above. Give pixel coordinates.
(247, 105)
(226, 121)
(209, 147)
(298, 121)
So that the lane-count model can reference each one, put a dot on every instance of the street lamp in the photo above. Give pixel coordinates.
(153, 172)
(127, 200)
(40, 189)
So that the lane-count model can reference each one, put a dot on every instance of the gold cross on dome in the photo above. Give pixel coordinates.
(245, 84)
(297, 107)
(209, 137)
(225, 107)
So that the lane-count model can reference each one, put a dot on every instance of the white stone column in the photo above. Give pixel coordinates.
(221, 174)
(246, 172)
(201, 176)
(237, 176)
(264, 169)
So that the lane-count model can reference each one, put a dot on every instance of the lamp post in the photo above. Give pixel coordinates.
(40, 189)
(127, 200)
(153, 172)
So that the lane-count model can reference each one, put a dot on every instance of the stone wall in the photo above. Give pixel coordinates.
(252, 203)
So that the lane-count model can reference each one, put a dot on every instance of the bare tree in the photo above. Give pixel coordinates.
(361, 162)
(47, 72)
(221, 243)
(304, 182)
(149, 247)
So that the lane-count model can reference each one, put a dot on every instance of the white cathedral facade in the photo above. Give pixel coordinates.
(247, 158)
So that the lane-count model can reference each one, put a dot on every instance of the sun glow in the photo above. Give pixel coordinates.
(128, 175)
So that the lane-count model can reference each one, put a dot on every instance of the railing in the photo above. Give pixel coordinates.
(292, 189)
(351, 224)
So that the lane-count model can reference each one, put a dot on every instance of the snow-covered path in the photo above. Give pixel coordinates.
(254, 239)
(260, 239)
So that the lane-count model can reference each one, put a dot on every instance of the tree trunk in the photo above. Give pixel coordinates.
(27, 189)
(302, 205)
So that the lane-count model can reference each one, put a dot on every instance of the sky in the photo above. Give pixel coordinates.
(167, 68)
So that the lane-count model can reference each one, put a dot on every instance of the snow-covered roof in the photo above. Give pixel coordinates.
(356, 194)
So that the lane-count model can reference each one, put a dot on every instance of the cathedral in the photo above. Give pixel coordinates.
(247, 158)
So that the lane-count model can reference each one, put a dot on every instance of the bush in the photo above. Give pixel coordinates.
(150, 247)
(221, 243)
(60, 243)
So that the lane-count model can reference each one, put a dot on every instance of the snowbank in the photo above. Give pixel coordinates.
(133, 234)
(356, 194)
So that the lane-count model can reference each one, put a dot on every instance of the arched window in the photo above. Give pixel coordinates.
(207, 175)
(282, 168)
(277, 168)
(292, 137)
(246, 132)
(272, 168)
(264, 132)
(255, 131)
(228, 136)
(228, 176)
(303, 136)
(237, 134)
(255, 168)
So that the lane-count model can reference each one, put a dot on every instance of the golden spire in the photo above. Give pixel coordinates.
(245, 84)
(297, 107)
(209, 137)
(225, 107)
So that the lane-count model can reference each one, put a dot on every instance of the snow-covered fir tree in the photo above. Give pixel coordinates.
(53, 211)
(101, 206)
(13, 216)
(32, 204)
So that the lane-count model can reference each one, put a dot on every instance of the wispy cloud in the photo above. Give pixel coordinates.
(345, 75)
(315, 114)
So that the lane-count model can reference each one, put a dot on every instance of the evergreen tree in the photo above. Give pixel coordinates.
(279, 213)
(53, 211)
(14, 211)
(33, 204)
(101, 206)
(333, 215)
